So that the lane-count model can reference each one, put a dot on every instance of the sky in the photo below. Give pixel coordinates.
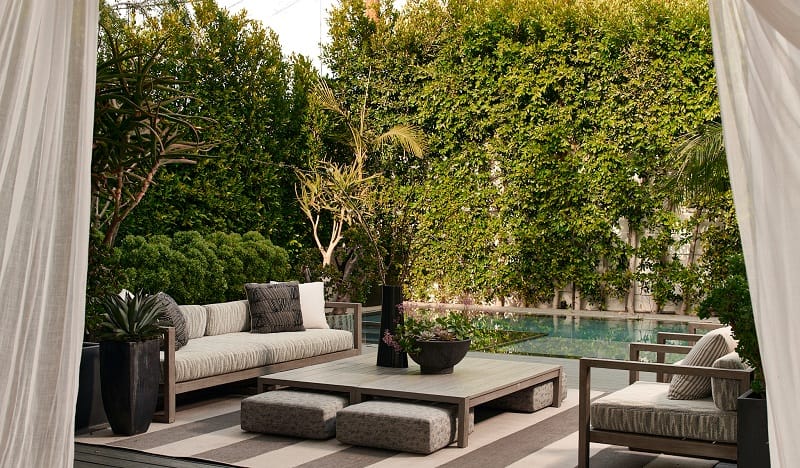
(300, 24)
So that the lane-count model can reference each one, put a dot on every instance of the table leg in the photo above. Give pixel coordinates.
(557, 390)
(463, 423)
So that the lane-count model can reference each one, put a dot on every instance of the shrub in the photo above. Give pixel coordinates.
(199, 270)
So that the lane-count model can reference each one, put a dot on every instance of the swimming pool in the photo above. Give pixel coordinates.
(567, 336)
(575, 337)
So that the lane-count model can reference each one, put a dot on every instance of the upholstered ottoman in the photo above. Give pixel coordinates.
(531, 399)
(293, 413)
(398, 425)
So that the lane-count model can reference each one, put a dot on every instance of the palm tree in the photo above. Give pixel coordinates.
(701, 167)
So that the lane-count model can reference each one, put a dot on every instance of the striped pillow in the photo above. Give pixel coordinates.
(274, 307)
(712, 346)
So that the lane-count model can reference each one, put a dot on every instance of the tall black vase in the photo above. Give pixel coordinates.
(752, 432)
(89, 413)
(391, 316)
(129, 376)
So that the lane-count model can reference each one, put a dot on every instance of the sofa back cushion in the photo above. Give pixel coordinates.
(726, 391)
(227, 317)
(195, 317)
(712, 346)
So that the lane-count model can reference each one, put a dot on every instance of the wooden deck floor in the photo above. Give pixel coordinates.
(94, 456)
(87, 456)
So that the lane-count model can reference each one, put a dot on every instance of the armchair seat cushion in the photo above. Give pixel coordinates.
(644, 408)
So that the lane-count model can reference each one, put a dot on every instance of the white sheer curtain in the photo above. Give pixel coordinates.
(47, 71)
(757, 57)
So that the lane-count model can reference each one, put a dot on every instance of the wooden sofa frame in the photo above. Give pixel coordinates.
(645, 442)
(170, 388)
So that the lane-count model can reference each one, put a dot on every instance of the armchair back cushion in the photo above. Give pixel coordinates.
(712, 346)
(195, 317)
(726, 391)
(227, 317)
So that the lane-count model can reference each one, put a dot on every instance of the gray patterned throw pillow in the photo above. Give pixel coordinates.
(171, 316)
(274, 307)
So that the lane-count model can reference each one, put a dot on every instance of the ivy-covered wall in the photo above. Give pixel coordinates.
(549, 123)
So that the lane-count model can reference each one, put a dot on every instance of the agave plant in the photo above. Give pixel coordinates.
(133, 317)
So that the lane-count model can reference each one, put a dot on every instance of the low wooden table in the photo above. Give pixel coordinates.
(474, 381)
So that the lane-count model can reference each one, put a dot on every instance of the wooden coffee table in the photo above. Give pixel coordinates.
(474, 381)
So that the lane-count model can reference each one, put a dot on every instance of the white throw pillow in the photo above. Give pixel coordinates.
(312, 304)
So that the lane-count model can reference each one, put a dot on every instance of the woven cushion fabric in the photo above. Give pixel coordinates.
(274, 307)
(227, 317)
(725, 392)
(712, 346)
(230, 352)
(293, 413)
(643, 408)
(312, 303)
(530, 399)
(171, 317)
(395, 425)
(195, 317)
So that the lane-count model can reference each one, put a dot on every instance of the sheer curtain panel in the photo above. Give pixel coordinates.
(757, 58)
(47, 74)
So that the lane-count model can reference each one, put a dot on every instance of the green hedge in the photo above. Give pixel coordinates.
(196, 269)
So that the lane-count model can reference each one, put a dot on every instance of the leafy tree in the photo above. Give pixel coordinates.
(141, 125)
(343, 192)
(258, 100)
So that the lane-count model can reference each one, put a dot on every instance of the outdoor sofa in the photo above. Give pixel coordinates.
(221, 348)
(642, 416)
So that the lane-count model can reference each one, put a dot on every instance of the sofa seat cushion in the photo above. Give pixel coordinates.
(644, 408)
(230, 352)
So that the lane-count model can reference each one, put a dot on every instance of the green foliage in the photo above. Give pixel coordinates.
(141, 124)
(130, 318)
(547, 123)
(258, 101)
(451, 326)
(730, 301)
(194, 269)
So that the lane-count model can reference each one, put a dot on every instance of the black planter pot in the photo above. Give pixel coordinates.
(89, 413)
(129, 376)
(439, 357)
(391, 317)
(752, 444)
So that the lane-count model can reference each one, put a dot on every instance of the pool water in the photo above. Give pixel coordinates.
(574, 337)
(568, 336)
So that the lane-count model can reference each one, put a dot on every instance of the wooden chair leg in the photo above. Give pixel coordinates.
(584, 390)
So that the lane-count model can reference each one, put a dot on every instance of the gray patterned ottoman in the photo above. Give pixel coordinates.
(398, 425)
(531, 399)
(293, 413)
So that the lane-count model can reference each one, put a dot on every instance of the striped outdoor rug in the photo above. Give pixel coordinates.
(548, 438)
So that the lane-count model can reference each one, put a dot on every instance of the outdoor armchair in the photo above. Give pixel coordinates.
(641, 417)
